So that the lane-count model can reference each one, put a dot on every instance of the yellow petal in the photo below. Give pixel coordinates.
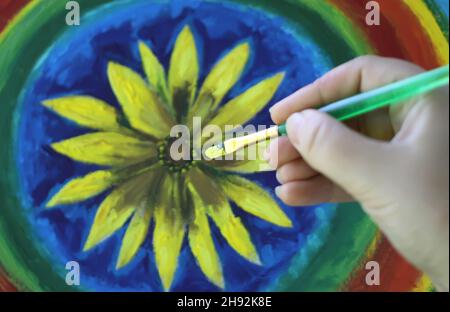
(219, 209)
(202, 244)
(254, 199)
(117, 207)
(154, 70)
(220, 80)
(251, 160)
(183, 71)
(245, 106)
(243, 166)
(138, 228)
(82, 188)
(86, 111)
(234, 232)
(169, 232)
(134, 237)
(141, 104)
(106, 148)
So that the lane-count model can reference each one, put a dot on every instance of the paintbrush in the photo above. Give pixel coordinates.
(356, 105)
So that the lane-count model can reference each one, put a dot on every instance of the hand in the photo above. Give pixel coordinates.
(394, 161)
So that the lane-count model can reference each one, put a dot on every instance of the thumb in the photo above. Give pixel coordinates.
(356, 163)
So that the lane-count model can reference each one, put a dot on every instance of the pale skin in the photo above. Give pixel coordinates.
(394, 162)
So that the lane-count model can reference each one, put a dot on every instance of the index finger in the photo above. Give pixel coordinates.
(361, 74)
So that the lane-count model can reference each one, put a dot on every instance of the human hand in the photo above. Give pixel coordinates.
(394, 161)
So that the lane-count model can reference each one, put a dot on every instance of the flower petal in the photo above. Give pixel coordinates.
(138, 228)
(202, 244)
(86, 111)
(220, 211)
(117, 208)
(220, 80)
(134, 237)
(183, 71)
(254, 199)
(154, 70)
(141, 104)
(243, 166)
(245, 106)
(250, 161)
(79, 189)
(169, 232)
(106, 148)
(234, 232)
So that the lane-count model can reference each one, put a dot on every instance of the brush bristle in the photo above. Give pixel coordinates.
(215, 151)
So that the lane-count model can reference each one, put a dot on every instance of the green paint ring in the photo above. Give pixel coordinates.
(28, 267)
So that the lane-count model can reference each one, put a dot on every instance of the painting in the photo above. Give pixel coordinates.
(86, 113)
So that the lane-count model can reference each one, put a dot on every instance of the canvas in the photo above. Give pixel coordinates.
(86, 112)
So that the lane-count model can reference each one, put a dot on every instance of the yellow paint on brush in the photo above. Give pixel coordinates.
(232, 145)
(214, 152)
(431, 27)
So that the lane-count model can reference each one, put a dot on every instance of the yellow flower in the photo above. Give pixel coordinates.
(145, 182)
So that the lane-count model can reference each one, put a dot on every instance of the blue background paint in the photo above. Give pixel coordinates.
(76, 64)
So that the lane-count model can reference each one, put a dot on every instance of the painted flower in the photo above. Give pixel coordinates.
(145, 183)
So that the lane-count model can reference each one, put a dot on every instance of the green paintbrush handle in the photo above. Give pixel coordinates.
(390, 94)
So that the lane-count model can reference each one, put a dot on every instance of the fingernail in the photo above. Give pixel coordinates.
(277, 175)
(278, 191)
(271, 109)
(271, 112)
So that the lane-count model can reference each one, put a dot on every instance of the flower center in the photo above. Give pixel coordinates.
(175, 159)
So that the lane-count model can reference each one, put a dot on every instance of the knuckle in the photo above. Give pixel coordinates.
(322, 86)
(366, 59)
(316, 135)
